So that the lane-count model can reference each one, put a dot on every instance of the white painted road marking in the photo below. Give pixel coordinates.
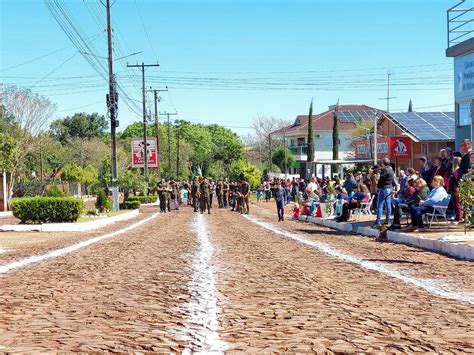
(71, 248)
(430, 286)
(203, 308)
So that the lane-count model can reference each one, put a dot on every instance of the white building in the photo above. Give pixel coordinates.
(295, 135)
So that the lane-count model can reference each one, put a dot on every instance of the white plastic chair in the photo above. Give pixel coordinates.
(364, 208)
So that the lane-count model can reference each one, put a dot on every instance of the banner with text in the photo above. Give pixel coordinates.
(138, 153)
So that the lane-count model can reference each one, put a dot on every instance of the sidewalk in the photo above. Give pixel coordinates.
(444, 239)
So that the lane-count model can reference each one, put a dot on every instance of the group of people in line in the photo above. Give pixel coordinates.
(199, 193)
(415, 193)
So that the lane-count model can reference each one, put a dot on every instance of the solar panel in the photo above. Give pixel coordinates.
(355, 116)
(427, 126)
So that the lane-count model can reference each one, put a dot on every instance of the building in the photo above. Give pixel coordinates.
(350, 117)
(405, 137)
(461, 48)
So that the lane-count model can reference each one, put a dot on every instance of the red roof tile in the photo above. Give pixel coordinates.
(324, 121)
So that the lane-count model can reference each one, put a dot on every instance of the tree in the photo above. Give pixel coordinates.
(335, 136)
(283, 158)
(130, 182)
(26, 115)
(9, 153)
(73, 174)
(80, 125)
(410, 107)
(135, 130)
(248, 171)
(257, 148)
(310, 151)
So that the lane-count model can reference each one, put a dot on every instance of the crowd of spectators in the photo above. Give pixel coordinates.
(414, 192)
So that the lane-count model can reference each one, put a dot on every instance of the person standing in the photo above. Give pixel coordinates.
(219, 191)
(225, 193)
(465, 149)
(161, 196)
(280, 199)
(195, 194)
(204, 191)
(245, 191)
(212, 189)
(385, 189)
(374, 180)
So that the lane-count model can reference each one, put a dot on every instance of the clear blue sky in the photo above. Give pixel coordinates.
(228, 61)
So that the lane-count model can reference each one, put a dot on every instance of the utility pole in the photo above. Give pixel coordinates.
(143, 66)
(157, 131)
(112, 106)
(168, 133)
(376, 119)
(177, 155)
(388, 98)
(270, 166)
(284, 150)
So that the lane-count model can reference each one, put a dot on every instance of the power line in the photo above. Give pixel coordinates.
(144, 29)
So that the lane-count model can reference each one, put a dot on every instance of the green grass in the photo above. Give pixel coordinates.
(95, 218)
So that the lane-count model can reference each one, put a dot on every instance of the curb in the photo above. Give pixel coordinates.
(69, 227)
(457, 250)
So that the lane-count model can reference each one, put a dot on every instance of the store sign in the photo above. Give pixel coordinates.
(138, 153)
(362, 151)
(400, 147)
(464, 76)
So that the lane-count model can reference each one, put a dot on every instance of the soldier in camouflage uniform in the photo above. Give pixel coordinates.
(195, 194)
(225, 193)
(205, 192)
(245, 191)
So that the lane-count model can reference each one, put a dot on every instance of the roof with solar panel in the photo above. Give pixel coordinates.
(426, 126)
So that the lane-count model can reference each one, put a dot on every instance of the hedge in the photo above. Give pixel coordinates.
(143, 199)
(47, 209)
(130, 205)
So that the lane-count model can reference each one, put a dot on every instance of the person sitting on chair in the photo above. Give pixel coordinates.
(437, 196)
(421, 193)
(361, 195)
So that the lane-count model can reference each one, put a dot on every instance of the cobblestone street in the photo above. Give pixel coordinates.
(183, 281)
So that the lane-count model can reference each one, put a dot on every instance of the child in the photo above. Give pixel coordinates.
(296, 211)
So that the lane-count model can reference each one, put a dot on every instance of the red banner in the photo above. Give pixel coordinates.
(400, 147)
(138, 153)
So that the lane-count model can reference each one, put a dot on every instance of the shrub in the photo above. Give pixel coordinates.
(47, 209)
(130, 205)
(143, 199)
(54, 192)
(102, 203)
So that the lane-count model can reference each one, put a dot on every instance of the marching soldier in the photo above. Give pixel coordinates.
(245, 191)
(225, 193)
(195, 194)
(212, 188)
(204, 191)
(161, 195)
(219, 192)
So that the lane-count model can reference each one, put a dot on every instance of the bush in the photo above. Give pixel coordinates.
(47, 209)
(54, 192)
(130, 205)
(143, 199)
(103, 203)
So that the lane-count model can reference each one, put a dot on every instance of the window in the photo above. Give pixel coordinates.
(424, 149)
(432, 148)
(301, 142)
(464, 113)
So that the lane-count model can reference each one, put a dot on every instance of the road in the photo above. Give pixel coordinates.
(185, 282)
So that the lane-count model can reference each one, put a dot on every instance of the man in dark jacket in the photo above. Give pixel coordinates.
(466, 151)
(280, 198)
(385, 189)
